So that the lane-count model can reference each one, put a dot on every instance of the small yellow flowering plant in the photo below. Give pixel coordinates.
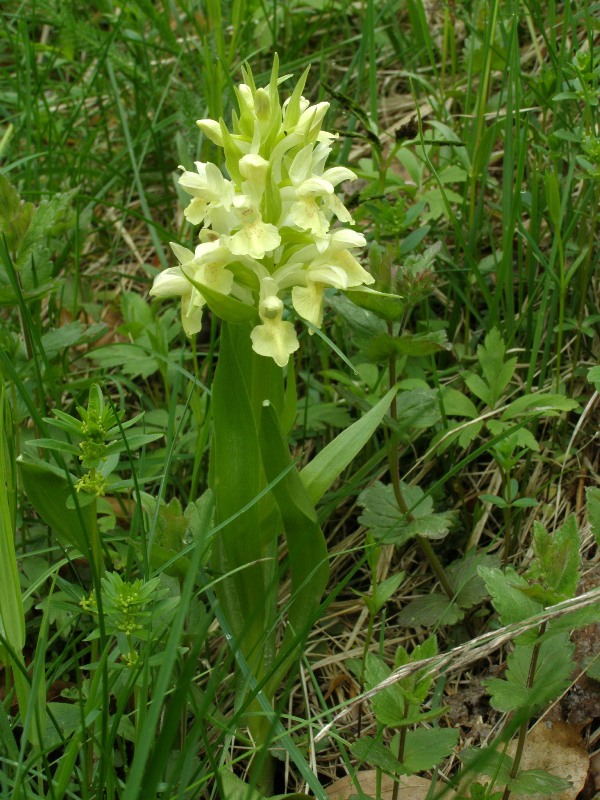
(267, 229)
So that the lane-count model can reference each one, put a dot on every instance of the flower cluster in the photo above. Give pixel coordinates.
(267, 229)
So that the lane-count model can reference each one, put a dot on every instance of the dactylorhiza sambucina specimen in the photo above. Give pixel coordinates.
(267, 229)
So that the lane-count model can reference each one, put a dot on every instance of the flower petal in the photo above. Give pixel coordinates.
(191, 314)
(308, 302)
(254, 240)
(275, 339)
(171, 282)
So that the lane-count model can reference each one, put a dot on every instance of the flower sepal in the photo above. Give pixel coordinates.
(223, 305)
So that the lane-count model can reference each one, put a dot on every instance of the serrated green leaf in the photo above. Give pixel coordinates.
(557, 560)
(425, 748)
(465, 580)
(504, 588)
(552, 675)
(374, 752)
(496, 371)
(593, 376)
(45, 217)
(15, 216)
(545, 405)
(389, 705)
(593, 508)
(387, 523)
(478, 387)
(538, 781)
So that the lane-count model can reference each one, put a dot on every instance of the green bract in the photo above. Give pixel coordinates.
(267, 229)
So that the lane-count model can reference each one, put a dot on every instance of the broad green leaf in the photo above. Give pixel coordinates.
(131, 358)
(364, 323)
(307, 549)
(457, 404)
(386, 306)
(538, 781)
(546, 405)
(48, 491)
(133, 442)
(320, 473)
(235, 788)
(375, 753)
(425, 748)
(385, 346)
(552, 192)
(510, 603)
(239, 547)
(506, 447)
(383, 591)
(416, 409)
(430, 610)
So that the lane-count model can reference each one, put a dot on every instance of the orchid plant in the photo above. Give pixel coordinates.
(267, 229)
(273, 237)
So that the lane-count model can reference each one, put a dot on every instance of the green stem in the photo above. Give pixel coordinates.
(424, 544)
(507, 514)
(525, 725)
(401, 747)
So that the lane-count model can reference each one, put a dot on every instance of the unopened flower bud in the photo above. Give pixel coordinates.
(212, 130)
(262, 105)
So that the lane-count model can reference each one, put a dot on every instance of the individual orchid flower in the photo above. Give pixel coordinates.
(274, 337)
(209, 189)
(314, 191)
(255, 237)
(206, 267)
(340, 272)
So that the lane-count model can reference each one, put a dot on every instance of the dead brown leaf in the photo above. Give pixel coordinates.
(558, 748)
(411, 788)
